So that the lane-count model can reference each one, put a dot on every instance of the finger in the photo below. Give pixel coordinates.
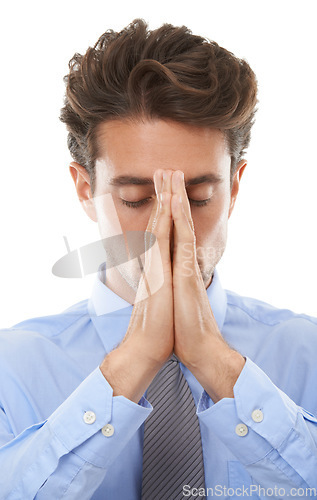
(167, 181)
(151, 258)
(161, 217)
(164, 220)
(183, 229)
(160, 224)
(184, 250)
(158, 186)
(178, 188)
(158, 181)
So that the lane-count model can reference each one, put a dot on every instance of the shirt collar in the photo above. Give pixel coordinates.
(111, 314)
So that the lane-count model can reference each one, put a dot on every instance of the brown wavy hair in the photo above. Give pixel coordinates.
(166, 73)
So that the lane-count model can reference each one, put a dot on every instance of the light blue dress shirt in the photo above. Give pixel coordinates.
(56, 406)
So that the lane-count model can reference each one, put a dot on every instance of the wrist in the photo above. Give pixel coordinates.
(218, 370)
(128, 371)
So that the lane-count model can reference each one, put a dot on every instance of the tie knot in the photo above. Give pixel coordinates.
(174, 358)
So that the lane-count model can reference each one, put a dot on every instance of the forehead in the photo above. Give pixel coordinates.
(140, 147)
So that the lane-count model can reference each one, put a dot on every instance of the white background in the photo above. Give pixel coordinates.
(271, 251)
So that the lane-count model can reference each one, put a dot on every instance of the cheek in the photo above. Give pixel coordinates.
(211, 226)
(107, 216)
(133, 219)
(211, 239)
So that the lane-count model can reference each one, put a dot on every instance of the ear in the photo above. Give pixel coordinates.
(82, 184)
(236, 184)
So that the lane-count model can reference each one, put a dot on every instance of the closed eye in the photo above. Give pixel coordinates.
(138, 204)
(135, 204)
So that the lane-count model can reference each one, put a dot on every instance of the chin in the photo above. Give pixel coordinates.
(207, 278)
(206, 273)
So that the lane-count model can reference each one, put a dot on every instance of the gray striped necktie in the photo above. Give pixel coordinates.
(172, 451)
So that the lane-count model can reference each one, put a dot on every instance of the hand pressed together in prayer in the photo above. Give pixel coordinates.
(176, 318)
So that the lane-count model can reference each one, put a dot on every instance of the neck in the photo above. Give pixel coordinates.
(116, 283)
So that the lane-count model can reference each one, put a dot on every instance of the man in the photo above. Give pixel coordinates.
(158, 124)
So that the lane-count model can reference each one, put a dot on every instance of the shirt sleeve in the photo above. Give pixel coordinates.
(274, 439)
(68, 454)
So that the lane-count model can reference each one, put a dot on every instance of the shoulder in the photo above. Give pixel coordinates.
(43, 329)
(258, 311)
(281, 342)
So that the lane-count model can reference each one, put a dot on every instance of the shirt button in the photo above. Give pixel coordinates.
(257, 416)
(242, 430)
(107, 430)
(89, 417)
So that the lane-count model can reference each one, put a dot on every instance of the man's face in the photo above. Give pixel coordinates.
(136, 150)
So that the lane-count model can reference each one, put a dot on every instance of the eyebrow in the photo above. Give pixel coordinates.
(125, 180)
